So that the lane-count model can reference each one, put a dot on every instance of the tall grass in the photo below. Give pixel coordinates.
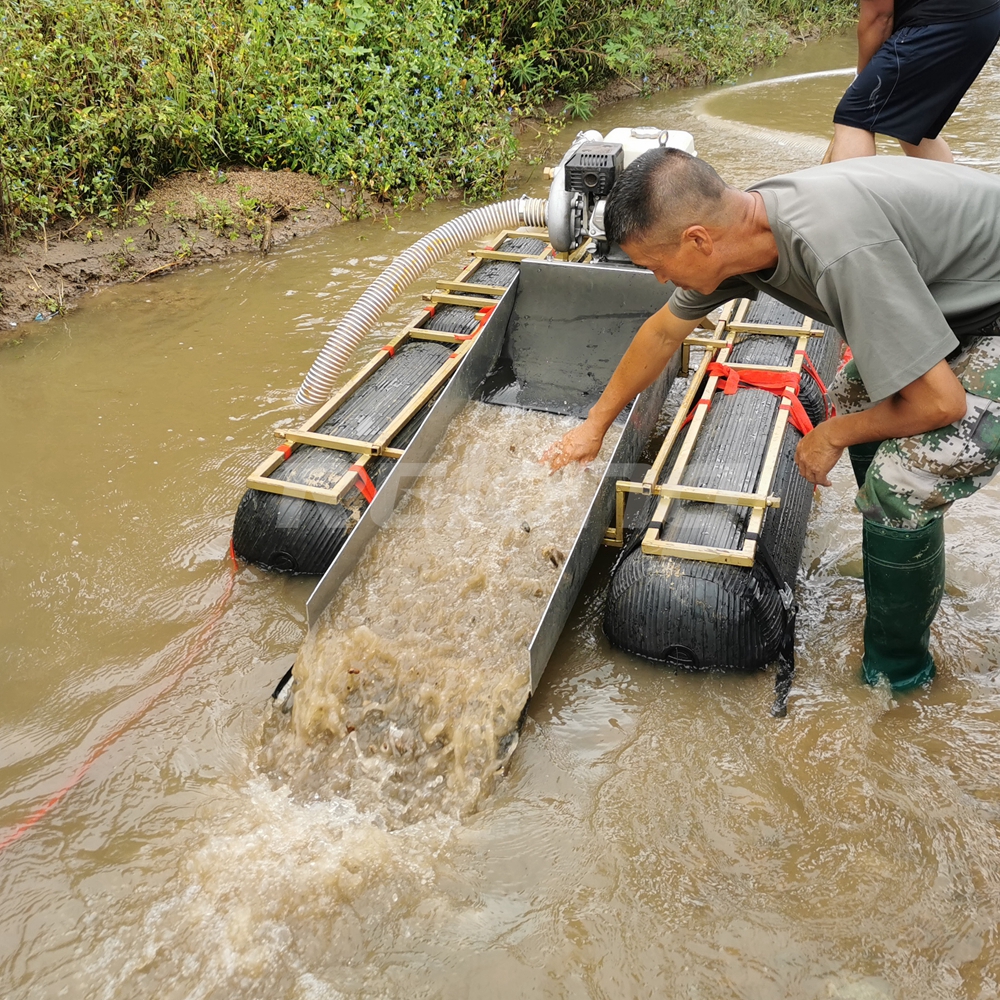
(98, 98)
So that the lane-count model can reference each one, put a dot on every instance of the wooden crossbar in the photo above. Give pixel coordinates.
(710, 343)
(472, 301)
(731, 327)
(515, 257)
(438, 336)
(777, 329)
(331, 441)
(703, 494)
(471, 288)
(297, 490)
(705, 553)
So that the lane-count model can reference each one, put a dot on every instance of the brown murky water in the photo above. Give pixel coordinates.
(656, 834)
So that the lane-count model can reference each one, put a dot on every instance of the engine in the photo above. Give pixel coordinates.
(584, 177)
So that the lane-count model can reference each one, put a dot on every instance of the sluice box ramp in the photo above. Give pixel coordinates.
(549, 344)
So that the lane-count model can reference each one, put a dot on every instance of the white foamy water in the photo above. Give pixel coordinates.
(409, 690)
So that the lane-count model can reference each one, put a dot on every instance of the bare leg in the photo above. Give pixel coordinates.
(849, 142)
(929, 149)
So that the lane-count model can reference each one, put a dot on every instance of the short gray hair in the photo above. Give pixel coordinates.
(660, 194)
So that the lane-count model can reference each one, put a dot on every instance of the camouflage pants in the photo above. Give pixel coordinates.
(914, 480)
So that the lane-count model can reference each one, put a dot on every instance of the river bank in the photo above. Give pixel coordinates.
(123, 121)
(190, 218)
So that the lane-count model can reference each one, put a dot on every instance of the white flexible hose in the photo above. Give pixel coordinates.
(408, 266)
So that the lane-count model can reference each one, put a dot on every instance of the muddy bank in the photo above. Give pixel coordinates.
(186, 219)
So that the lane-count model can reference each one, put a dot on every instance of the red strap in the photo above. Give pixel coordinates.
(364, 482)
(390, 349)
(785, 384)
(706, 402)
(431, 310)
(483, 316)
(286, 450)
(829, 410)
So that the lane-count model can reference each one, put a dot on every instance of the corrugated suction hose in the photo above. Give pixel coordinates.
(408, 266)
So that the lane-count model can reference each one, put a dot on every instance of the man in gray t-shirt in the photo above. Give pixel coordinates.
(898, 254)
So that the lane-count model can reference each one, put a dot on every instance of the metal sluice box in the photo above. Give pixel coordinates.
(551, 343)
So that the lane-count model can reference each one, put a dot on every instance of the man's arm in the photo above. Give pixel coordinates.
(652, 347)
(934, 400)
(874, 27)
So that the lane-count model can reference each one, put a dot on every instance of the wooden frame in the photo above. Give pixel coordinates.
(730, 328)
(459, 292)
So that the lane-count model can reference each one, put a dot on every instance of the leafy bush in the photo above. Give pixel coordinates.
(99, 98)
(553, 47)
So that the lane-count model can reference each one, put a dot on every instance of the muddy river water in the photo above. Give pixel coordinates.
(655, 834)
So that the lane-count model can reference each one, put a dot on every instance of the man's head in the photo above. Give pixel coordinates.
(668, 211)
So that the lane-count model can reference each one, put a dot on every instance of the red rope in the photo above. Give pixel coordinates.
(197, 645)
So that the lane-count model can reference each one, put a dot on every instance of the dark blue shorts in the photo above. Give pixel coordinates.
(916, 79)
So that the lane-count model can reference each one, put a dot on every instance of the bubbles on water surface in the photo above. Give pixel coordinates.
(410, 690)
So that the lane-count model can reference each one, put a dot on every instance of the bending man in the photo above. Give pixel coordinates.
(902, 257)
(916, 60)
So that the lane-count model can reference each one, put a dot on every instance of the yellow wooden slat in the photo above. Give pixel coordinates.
(702, 494)
(297, 490)
(702, 553)
(515, 257)
(471, 288)
(472, 301)
(335, 443)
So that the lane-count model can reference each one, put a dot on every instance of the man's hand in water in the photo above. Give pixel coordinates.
(581, 444)
(652, 347)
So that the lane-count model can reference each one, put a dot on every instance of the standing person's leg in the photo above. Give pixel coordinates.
(949, 58)
(849, 142)
(903, 568)
(912, 85)
(908, 484)
(929, 149)
(849, 395)
(855, 116)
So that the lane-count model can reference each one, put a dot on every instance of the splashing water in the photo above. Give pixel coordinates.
(409, 690)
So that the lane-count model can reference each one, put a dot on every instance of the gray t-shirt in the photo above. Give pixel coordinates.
(895, 252)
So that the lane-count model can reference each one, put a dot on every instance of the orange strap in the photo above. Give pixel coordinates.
(483, 316)
(783, 384)
(286, 450)
(829, 410)
(364, 482)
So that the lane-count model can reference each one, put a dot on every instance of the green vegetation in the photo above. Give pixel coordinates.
(98, 98)
(550, 47)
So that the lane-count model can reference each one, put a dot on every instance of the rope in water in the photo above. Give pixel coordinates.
(195, 648)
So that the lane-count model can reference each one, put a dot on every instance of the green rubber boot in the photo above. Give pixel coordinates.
(904, 581)
(861, 456)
